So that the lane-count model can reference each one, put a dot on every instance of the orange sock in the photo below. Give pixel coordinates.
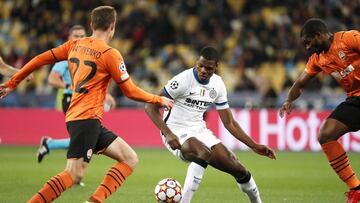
(339, 162)
(53, 188)
(114, 178)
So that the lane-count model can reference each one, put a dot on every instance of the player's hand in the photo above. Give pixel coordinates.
(173, 141)
(2, 61)
(265, 151)
(110, 100)
(167, 103)
(286, 107)
(4, 91)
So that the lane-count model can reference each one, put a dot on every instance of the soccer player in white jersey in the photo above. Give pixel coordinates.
(184, 130)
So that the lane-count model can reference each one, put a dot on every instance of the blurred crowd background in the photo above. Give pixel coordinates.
(261, 52)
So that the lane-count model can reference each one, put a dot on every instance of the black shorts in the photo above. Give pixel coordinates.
(348, 112)
(66, 102)
(88, 137)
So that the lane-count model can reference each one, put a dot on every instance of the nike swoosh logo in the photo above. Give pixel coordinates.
(191, 93)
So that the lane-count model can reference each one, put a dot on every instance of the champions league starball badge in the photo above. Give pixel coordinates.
(174, 85)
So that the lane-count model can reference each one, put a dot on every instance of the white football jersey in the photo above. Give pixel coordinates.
(192, 98)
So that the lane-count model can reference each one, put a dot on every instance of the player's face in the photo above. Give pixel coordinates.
(77, 34)
(316, 44)
(205, 68)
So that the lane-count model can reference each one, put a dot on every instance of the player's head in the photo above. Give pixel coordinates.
(77, 32)
(103, 18)
(315, 36)
(207, 63)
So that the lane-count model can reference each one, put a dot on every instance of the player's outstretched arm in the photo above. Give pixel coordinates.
(153, 112)
(294, 92)
(134, 92)
(234, 128)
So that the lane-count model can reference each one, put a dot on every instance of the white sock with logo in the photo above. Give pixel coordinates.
(193, 178)
(251, 190)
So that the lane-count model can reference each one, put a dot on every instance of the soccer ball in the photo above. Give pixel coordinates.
(168, 190)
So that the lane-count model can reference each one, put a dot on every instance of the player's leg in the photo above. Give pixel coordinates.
(345, 118)
(195, 151)
(225, 160)
(117, 149)
(84, 137)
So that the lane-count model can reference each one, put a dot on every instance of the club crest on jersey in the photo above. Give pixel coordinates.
(341, 55)
(122, 67)
(174, 85)
(212, 94)
(89, 153)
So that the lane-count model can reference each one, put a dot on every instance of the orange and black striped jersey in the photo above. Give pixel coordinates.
(92, 63)
(341, 61)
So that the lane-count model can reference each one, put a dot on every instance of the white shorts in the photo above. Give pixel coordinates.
(203, 134)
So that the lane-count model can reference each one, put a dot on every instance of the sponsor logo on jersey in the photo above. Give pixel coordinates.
(347, 71)
(174, 85)
(197, 102)
(340, 75)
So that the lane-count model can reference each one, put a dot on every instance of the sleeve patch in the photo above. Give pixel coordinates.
(122, 67)
(174, 85)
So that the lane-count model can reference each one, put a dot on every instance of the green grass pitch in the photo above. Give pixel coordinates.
(302, 177)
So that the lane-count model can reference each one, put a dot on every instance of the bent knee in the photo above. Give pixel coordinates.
(132, 160)
(325, 136)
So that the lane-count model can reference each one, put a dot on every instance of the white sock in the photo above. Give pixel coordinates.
(251, 190)
(192, 181)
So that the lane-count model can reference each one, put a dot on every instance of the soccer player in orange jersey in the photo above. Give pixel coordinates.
(337, 54)
(92, 63)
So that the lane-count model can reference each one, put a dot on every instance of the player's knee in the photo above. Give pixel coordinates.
(325, 136)
(132, 160)
(203, 154)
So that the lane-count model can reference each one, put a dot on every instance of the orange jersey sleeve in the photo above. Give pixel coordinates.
(134, 92)
(57, 54)
(311, 67)
(352, 39)
(116, 66)
(117, 69)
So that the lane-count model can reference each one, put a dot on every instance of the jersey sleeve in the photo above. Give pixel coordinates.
(352, 39)
(116, 66)
(34, 64)
(61, 52)
(311, 67)
(221, 101)
(176, 86)
(60, 67)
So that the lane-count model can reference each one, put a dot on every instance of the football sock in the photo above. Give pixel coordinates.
(114, 178)
(339, 162)
(247, 184)
(53, 188)
(192, 181)
(58, 143)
